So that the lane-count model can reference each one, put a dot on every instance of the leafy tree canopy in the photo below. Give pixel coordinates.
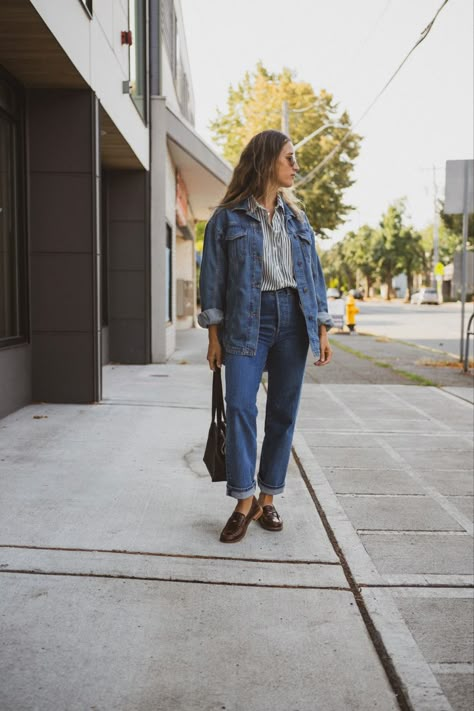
(377, 253)
(453, 223)
(256, 104)
(449, 242)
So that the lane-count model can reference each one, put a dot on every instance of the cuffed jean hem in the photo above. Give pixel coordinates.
(271, 490)
(241, 493)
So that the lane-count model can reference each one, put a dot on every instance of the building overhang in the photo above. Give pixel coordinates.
(205, 174)
(33, 56)
(30, 52)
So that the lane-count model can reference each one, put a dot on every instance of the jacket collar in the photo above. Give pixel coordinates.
(246, 205)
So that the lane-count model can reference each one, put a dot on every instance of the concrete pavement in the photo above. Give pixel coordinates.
(116, 593)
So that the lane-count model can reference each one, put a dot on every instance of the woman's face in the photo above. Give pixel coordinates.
(286, 166)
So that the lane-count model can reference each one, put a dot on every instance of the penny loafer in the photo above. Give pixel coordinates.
(270, 519)
(236, 527)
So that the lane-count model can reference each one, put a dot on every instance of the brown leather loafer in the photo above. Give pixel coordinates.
(271, 519)
(236, 527)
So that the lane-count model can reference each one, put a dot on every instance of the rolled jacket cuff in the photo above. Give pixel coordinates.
(210, 317)
(324, 319)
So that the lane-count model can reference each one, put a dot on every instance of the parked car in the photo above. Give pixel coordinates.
(333, 293)
(425, 296)
(357, 294)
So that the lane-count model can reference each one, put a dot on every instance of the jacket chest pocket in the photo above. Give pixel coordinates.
(237, 243)
(304, 241)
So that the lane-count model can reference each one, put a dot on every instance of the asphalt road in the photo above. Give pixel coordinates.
(431, 326)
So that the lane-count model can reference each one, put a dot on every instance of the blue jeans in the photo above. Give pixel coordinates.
(282, 349)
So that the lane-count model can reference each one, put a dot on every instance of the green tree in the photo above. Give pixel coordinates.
(256, 104)
(359, 252)
(398, 247)
(338, 269)
(412, 259)
(453, 223)
(449, 242)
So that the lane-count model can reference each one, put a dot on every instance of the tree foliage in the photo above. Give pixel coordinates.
(453, 223)
(256, 104)
(398, 248)
(448, 243)
(377, 254)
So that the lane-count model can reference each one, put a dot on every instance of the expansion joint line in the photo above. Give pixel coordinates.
(187, 556)
(170, 579)
(374, 634)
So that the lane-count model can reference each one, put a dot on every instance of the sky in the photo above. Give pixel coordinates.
(351, 48)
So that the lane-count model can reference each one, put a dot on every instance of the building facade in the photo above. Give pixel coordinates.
(102, 178)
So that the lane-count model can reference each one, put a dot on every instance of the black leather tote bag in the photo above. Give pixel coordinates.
(214, 454)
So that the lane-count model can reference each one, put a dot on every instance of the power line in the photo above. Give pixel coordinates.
(369, 34)
(314, 171)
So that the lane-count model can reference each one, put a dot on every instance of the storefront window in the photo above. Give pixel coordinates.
(138, 55)
(12, 237)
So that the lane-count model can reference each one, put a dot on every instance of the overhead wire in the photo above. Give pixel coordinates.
(317, 168)
(369, 34)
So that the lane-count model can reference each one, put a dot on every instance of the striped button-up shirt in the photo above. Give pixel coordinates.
(277, 262)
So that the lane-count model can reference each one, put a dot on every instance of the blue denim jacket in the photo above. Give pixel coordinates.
(231, 277)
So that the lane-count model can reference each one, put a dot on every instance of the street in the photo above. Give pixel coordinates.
(436, 327)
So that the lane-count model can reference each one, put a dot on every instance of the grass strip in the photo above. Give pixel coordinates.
(382, 364)
(411, 344)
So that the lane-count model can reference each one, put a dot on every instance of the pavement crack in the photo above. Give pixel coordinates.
(164, 405)
(116, 551)
(468, 586)
(151, 578)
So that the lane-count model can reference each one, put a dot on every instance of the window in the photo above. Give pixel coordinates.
(138, 55)
(169, 274)
(170, 33)
(13, 295)
(172, 44)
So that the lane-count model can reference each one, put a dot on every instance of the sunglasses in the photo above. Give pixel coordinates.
(291, 160)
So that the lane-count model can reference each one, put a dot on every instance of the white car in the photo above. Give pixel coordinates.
(425, 296)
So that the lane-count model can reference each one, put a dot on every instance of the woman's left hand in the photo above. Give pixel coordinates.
(325, 354)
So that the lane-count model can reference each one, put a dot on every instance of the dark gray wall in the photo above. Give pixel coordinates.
(129, 272)
(64, 176)
(15, 378)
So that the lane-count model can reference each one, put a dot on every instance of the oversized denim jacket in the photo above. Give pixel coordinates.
(231, 277)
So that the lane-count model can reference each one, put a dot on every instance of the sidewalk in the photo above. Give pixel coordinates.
(117, 595)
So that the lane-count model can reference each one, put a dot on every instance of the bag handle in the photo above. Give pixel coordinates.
(217, 397)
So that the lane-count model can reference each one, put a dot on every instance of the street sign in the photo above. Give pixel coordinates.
(459, 200)
(459, 195)
(439, 269)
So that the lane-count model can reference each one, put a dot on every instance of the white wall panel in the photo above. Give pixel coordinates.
(94, 46)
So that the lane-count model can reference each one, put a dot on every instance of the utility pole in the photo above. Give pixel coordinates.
(435, 221)
(285, 118)
(459, 200)
(465, 222)
(437, 280)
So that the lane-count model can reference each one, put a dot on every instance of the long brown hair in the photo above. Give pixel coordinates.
(256, 168)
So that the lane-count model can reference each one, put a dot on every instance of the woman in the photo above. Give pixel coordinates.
(263, 301)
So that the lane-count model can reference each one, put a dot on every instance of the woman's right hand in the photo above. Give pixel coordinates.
(214, 350)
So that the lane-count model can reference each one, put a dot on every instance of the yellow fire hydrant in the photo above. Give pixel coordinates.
(351, 311)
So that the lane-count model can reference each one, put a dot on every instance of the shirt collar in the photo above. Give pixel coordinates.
(253, 204)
